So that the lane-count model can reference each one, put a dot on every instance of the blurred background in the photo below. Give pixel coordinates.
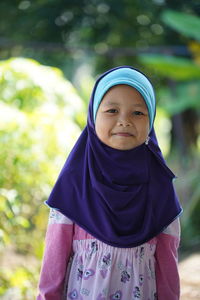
(51, 52)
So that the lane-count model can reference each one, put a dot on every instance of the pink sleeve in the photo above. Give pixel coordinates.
(58, 245)
(167, 277)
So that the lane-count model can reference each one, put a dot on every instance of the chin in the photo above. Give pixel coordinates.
(123, 147)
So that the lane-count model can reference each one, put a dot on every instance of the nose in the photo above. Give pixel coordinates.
(124, 122)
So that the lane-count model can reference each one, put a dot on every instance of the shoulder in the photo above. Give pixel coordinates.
(173, 229)
(56, 217)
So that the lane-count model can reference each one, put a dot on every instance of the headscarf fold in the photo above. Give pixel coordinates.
(121, 197)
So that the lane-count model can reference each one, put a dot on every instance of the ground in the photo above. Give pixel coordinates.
(189, 270)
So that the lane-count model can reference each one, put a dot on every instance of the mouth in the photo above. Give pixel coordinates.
(125, 134)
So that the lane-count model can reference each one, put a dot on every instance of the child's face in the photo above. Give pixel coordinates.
(122, 120)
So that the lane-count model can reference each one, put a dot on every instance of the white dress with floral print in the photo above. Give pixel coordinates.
(78, 266)
(99, 271)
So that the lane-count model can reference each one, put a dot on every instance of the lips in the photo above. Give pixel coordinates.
(125, 134)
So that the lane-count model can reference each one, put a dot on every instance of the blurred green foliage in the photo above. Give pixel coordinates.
(187, 97)
(66, 33)
(180, 99)
(172, 67)
(186, 24)
(40, 119)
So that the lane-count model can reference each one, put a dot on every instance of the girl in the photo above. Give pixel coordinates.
(113, 231)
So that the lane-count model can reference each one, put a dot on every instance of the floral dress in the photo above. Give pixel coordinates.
(78, 266)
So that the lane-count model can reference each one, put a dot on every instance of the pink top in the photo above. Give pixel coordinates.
(78, 266)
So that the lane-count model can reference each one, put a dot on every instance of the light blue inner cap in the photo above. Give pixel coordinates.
(130, 77)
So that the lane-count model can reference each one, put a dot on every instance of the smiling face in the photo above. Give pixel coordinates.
(122, 120)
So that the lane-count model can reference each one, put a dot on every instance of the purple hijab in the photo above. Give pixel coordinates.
(121, 197)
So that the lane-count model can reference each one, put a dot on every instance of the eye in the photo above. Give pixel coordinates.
(138, 113)
(112, 111)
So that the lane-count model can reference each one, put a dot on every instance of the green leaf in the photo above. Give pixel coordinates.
(188, 25)
(36, 134)
(184, 96)
(171, 67)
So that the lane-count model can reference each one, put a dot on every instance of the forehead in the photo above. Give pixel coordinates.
(123, 94)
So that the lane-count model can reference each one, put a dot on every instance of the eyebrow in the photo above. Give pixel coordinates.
(109, 103)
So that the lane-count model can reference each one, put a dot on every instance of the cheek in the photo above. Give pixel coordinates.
(146, 125)
(99, 128)
(143, 129)
(98, 131)
(103, 131)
